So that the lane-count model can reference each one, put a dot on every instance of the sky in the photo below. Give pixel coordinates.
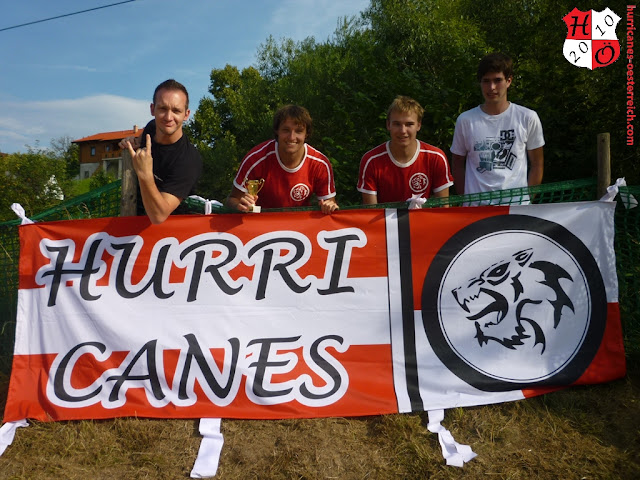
(96, 71)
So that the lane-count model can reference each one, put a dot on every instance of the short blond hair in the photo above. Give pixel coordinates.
(404, 104)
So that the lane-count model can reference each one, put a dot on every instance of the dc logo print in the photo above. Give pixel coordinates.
(300, 192)
(418, 182)
(502, 316)
(591, 38)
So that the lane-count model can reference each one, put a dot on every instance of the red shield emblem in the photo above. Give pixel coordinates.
(591, 38)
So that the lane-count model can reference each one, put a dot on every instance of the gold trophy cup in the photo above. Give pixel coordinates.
(253, 187)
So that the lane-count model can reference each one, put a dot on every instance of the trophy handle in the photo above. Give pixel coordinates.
(254, 186)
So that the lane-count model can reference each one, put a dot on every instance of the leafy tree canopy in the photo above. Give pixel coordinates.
(429, 50)
(63, 149)
(34, 179)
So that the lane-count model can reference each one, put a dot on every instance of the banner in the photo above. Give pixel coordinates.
(299, 314)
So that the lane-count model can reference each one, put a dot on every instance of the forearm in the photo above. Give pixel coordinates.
(369, 199)
(458, 166)
(233, 203)
(240, 201)
(536, 169)
(158, 205)
(444, 193)
(534, 178)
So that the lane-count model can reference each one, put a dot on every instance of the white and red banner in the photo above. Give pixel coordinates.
(298, 314)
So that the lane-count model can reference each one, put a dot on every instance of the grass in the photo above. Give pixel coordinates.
(590, 432)
(79, 187)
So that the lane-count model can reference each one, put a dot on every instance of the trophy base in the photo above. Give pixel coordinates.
(255, 209)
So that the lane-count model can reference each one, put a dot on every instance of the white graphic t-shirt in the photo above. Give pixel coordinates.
(496, 147)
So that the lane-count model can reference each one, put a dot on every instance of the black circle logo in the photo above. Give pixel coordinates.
(514, 301)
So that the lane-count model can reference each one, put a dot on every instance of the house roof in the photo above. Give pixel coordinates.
(107, 136)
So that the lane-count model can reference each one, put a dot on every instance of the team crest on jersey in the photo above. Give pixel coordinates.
(591, 38)
(300, 192)
(500, 315)
(419, 182)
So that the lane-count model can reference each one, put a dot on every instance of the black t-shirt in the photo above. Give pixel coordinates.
(176, 167)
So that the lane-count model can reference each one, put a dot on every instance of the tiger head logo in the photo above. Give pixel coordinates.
(515, 301)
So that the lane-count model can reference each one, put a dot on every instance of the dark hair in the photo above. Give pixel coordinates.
(496, 63)
(405, 104)
(298, 114)
(171, 84)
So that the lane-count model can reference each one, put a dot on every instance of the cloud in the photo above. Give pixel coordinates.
(75, 68)
(299, 19)
(37, 122)
(59, 67)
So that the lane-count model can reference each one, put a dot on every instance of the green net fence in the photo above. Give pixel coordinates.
(105, 202)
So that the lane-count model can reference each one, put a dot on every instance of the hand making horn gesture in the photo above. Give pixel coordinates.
(142, 159)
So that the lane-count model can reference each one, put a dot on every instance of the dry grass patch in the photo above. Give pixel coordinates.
(581, 433)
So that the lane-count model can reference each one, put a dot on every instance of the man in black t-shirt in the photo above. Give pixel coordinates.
(166, 163)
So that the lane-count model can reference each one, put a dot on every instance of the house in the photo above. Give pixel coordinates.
(101, 151)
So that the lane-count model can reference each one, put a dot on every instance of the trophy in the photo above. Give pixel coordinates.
(253, 187)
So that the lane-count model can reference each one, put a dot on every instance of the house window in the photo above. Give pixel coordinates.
(93, 151)
(107, 148)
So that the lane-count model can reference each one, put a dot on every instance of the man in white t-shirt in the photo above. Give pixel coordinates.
(493, 141)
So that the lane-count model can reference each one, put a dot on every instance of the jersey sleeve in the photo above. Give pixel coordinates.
(324, 184)
(249, 162)
(442, 172)
(366, 178)
(240, 177)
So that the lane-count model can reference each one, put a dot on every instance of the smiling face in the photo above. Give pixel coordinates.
(170, 111)
(403, 128)
(494, 88)
(291, 136)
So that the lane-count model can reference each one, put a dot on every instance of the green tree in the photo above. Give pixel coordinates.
(63, 149)
(226, 126)
(100, 179)
(574, 104)
(33, 179)
(429, 50)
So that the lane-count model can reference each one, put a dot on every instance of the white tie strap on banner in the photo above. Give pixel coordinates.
(613, 190)
(453, 452)
(416, 201)
(208, 204)
(206, 464)
(8, 432)
(19, 211)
